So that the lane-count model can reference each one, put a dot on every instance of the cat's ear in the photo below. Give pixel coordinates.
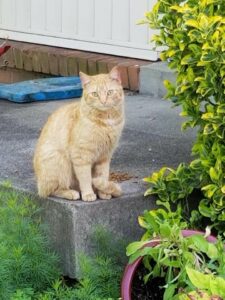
(115, 74)
(85, 79)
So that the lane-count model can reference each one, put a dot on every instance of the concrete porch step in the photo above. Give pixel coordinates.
(152, 77)
(151, 139)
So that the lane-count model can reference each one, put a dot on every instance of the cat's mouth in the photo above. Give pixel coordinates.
(105, 107)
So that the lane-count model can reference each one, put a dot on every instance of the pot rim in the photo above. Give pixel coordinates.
(130, 269)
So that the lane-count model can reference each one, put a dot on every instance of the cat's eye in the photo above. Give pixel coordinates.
(110, 92)
(94, 94)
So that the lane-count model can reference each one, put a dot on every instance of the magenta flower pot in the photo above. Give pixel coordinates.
(126, 285)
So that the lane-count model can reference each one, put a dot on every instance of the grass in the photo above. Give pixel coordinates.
(29, 268)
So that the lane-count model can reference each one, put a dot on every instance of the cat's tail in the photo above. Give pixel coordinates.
(107, 187)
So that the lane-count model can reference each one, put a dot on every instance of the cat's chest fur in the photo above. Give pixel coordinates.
(106, 133)
(98, 138)
(111, 122)
(107, 137)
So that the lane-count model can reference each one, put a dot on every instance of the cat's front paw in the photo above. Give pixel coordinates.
(89, 197)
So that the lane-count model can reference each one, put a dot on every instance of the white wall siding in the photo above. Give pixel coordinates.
(138, 34)
(22, 14)
(105, 26)
(86, 22)
(120, 21)
(8, 14)
(103, 32)
(69, 17)
(38, 15)
(53, 16)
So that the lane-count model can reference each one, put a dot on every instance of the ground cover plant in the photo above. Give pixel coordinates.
(29, 268)
(192, 33)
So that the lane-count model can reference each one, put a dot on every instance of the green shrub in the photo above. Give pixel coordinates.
(193, 33)
(26, 260)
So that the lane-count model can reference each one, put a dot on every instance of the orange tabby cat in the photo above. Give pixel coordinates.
(75, 147)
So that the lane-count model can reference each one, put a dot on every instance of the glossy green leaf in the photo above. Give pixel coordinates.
(217, 286)
(133, 247)
(198, 279)
(165, 230)
(192, 23)
(212, 251)
(199, 242)
(169, 292)
(214, 175)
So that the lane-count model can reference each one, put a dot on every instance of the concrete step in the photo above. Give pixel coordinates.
(152, 77)
(71, 224)
(151, 139)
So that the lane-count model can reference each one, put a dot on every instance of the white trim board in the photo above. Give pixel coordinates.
(119, 49)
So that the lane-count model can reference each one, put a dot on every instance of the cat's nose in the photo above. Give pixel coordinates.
(103, 100)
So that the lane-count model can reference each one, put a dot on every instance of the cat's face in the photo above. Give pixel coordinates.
(104, 91)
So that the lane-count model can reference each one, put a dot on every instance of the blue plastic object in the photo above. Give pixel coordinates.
(42, 89)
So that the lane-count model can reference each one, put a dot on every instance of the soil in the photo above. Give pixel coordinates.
(70, 282)
(119, 177)
(146, 291)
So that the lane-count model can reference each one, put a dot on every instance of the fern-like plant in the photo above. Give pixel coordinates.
(26, 259)
(101, 273)
(28, 267)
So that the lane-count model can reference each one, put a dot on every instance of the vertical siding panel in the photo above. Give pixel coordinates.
(120, 21)
(54, 15)
(8, 13)
(103, 20)
(69, 16)
(0, 11)
(86, 18)
(38, 15)
(138, 33)
(23, 17)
